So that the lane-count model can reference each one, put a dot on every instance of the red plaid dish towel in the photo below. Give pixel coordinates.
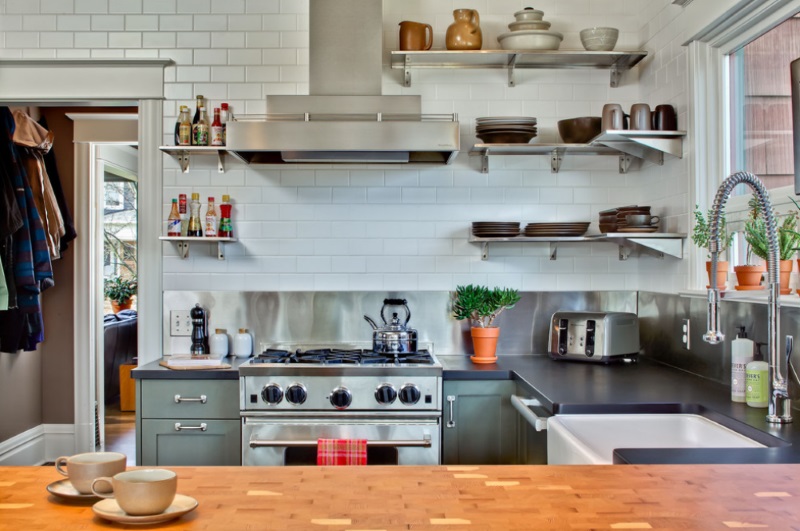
(341, 452)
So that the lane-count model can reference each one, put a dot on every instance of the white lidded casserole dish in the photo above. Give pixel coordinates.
(530, 40)
(520, 25)
(529, 14)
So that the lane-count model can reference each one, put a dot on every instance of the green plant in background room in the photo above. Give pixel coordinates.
(119, 291)
(701, 236)
(481, 306)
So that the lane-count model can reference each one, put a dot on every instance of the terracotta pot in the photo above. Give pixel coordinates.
(749, 276)
(117, 306)
(722, 273)
(786, 276)
(484, 343)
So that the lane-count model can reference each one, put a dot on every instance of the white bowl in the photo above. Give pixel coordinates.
(599, 39)
(530, 40)
(529, 25)
(529, 13)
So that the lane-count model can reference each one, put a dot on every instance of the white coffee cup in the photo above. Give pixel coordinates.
(82, 469)
(141, 492)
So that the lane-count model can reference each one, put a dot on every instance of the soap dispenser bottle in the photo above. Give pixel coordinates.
(741, 355)
(757, 374)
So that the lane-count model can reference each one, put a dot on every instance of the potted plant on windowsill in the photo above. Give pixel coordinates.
(701, 236)
(119, 291)
(755, 233)
(481, 306)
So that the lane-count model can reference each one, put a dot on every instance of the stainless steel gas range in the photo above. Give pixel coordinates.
(291, 397)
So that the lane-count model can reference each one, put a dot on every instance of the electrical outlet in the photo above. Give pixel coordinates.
(180, 323)
(685, 329)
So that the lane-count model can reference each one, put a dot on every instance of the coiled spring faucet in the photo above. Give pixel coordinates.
(779, 403)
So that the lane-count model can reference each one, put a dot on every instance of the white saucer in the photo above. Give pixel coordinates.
(109, 509)
(65, 489)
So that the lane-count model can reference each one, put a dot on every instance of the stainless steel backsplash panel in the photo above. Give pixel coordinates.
(338, 317)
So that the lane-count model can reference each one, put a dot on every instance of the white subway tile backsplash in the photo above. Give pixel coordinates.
(225, 7)
(157, 6)
(174, 23)
(56, 39)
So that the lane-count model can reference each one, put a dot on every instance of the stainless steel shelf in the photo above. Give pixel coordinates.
(511, 60)
(657, 243)
(184, 153)
(183, 243)
(626, 144)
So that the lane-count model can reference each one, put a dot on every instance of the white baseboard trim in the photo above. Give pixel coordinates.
(38, 445)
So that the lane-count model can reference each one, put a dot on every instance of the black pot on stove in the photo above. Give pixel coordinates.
(393, 337)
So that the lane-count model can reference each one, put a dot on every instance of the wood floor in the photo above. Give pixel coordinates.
(121, 432)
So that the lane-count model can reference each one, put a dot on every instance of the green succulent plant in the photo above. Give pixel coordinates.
(119, 289)
(482, 305)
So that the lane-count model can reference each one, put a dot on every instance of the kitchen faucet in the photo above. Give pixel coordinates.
(779, 403)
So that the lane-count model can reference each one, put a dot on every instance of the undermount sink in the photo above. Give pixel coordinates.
(592, 438)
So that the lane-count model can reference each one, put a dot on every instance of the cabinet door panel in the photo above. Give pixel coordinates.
(220, 399)
(485, 430)
(163, 445)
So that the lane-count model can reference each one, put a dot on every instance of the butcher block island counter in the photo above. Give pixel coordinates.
(442, 498)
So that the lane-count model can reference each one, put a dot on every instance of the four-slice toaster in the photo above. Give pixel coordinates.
(599, 337)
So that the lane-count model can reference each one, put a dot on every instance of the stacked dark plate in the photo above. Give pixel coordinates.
(495, 229)
(613, 220)
(556, 229)
(506, 129)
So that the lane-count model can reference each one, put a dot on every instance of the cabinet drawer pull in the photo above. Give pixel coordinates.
(450, 399)
(202, 427)
(202, 399)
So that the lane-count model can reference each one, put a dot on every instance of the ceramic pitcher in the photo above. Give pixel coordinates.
(415, 36)
(465, 32)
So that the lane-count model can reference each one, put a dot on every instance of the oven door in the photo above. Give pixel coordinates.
(391, 440)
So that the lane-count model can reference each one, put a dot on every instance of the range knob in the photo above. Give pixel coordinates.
(272, 394)
(296, 394)
(341, 398)
(385, 393)
(410, 394)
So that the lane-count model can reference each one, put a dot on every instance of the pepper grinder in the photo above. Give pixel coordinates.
(198, 315)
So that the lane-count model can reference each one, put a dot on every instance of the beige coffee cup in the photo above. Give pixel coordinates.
(641, 220)
(641, 118)
(140, 492)
(613, 118)
(82, 469)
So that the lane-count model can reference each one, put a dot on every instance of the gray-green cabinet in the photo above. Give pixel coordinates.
(188, 422)
(479, 424)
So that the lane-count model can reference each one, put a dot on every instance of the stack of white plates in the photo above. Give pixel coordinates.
(506, 129)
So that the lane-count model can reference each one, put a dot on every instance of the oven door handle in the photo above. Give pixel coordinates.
(523, 405)
(424, 443)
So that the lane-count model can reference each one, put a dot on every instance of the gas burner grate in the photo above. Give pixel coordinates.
(333, 356)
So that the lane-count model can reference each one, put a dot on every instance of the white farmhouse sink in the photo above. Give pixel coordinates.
(592, 438)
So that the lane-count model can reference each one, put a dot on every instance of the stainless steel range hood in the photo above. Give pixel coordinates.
(345, 119)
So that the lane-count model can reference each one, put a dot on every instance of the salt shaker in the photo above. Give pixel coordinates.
(243, 344)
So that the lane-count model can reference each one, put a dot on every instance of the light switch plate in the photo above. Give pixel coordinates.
(180, 323)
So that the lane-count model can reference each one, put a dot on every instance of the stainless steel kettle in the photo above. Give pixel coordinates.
(393, 338)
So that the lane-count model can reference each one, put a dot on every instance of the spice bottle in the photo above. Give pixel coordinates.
(224, 116)
(183, 131)
(243, 344)
(225, 225)
(211, 218)
(182, 212)
(200, 129)
(174, 220)
(195, 229)
(216, 130)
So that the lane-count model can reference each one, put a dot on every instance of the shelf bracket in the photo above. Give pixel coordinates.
(220, 251)
(183, 160)
(484, 251)
(485, 161)
(624, 253)
(183, 249)
(556, 157)
(553, 250)
(511, 65)
(221, 161)
(407, 71)
(615, 74)
(624, 162)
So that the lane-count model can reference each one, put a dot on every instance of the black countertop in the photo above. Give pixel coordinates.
(574, 387)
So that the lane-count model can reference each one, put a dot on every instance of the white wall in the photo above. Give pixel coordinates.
(367, 228)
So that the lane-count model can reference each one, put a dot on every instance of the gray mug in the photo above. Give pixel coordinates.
(613, 118)
(641, 117)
